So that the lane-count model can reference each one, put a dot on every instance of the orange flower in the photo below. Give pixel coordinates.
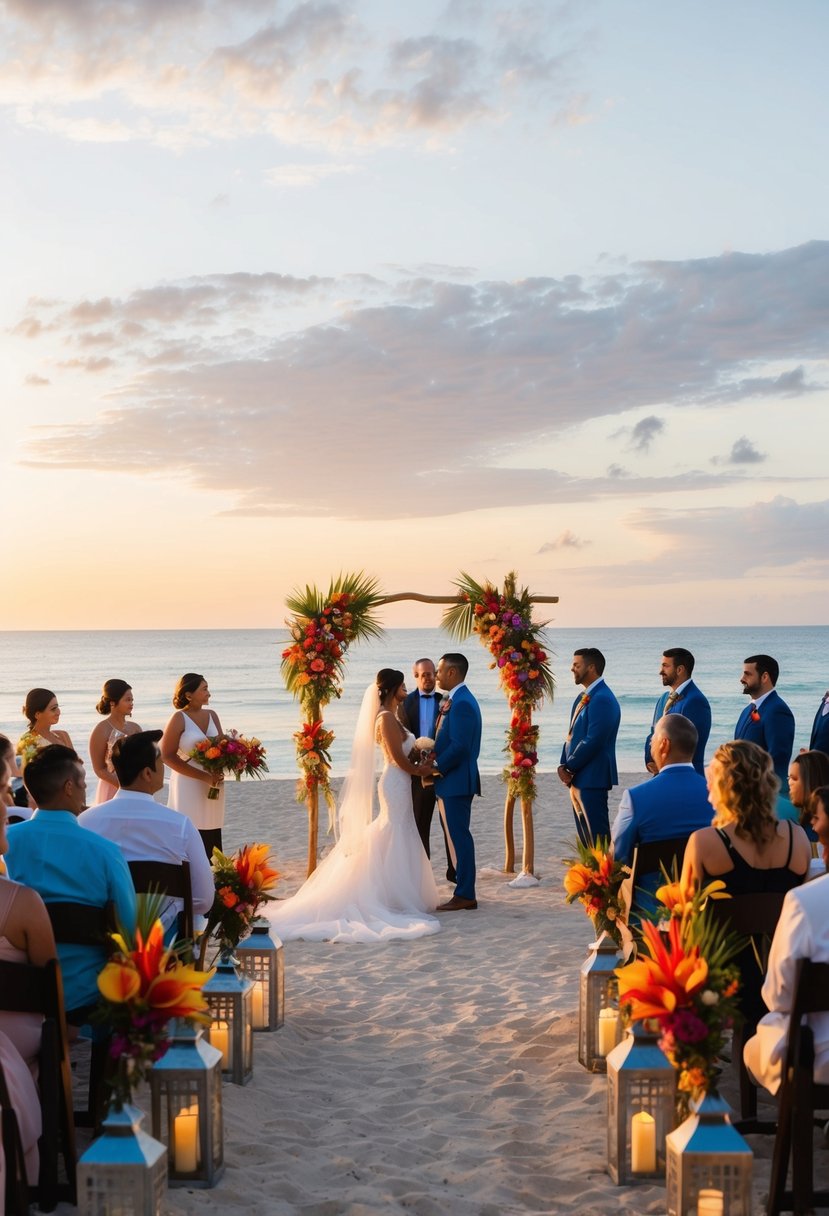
(577, 879)
(664, 978)
(213, 753)
(253, 869)
(227, 896)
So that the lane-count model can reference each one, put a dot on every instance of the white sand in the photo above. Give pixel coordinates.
(434, 1076)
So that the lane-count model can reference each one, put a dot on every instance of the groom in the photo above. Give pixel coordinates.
(457, 744)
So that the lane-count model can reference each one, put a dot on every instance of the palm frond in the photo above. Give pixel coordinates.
(458, 618)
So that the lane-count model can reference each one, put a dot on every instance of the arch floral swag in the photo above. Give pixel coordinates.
(324, 625)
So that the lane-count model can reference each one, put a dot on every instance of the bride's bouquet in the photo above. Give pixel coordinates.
(426, 748)
(229, 753)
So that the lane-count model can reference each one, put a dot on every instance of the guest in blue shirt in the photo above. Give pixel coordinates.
(62, 861)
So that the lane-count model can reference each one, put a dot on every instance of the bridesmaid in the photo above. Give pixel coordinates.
(117, 703)
(189, 783)
(42, 712)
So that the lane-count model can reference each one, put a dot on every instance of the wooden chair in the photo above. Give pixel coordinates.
(16, 1189)
(648, 857)
(755, 918)
(171, 878)
(799, 1098)
(87, 925)
(25, 988)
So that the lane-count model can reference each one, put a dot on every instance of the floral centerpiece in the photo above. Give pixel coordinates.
(142, 987)
(322, 628)
(595, 880)
(686, 982)
(502, 621)
(242, 884)
(229, 753)
(28, 745)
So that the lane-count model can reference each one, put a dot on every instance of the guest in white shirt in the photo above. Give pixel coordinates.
(802, 932)
(143, 828)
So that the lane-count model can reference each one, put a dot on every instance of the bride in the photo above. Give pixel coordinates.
(376, 884)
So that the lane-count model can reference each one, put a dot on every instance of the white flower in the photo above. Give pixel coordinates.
(710, 998)
(424, 744)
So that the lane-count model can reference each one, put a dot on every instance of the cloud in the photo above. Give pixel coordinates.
(311, 73)
(251, 384)
(742, 451)
(564, 540)
(644, 433)
(35, 381)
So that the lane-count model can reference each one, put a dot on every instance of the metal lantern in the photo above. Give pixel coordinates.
(599, 1027)
(641, 1107)
(124, 1171)
(186, 1090)
(262, 959)
(708, 1164)
(230, 998)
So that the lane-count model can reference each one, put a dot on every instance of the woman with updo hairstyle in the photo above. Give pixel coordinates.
(747, 847)
(116, 704)
(189, 782)
(819, 811)
(42, 712)
(807, 771)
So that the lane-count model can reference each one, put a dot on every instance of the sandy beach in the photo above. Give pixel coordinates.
(432, 1076)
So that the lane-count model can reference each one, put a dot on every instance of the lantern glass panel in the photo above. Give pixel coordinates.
(598, 989)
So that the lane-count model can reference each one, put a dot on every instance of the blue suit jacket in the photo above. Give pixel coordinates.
(457, 746)
(591, 753)
(774, 732)
(673, 803)
(819, 739)
(693, 705)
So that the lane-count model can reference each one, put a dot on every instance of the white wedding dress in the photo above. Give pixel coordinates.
(376, 884)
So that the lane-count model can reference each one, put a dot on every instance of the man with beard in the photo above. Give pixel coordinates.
(682, 697)
(767, 721)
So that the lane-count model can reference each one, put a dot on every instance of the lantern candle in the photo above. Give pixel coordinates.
(219, 1038)
(643, 1144)
(710, 1203)
(258, 995)
(186, 1139)
(607, 1031)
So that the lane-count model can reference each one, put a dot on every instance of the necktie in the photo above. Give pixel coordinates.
(673, 697)
(584, 701)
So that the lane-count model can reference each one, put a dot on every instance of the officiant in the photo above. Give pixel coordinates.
(419, 714)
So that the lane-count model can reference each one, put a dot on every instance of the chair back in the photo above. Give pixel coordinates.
(651, 854)
(172, 879)
(82, 924)
(749, 915)
(25, 988)
(16, 1191)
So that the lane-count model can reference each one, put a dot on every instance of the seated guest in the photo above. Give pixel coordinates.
(747, 846)
(143, 829)
(26, 1106)
(25, 937)
(807, 771)
(819, 803)
(802, 932)
(675, 803)
(62, 861)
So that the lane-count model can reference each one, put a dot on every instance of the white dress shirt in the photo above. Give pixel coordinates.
(145, 830)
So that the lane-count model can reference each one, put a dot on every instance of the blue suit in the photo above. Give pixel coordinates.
(590, 755)
(774, 732)
(819, 739)
(692, 705)
(674, 803)
(457, 746)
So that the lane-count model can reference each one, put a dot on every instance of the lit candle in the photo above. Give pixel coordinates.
(186, 1136)
(607, 1031)
(219, 1038)
(643, 1144)
(259, 1005)
(710, 1203)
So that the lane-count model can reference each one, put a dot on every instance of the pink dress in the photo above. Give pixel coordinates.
(26, 1105)
(23, 1029)
(104, 791)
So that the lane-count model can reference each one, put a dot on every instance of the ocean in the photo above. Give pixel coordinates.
(242, 667)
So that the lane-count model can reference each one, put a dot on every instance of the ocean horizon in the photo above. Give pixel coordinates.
(242, 668)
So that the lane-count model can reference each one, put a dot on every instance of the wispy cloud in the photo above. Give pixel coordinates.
(564, 540)
(743, 451)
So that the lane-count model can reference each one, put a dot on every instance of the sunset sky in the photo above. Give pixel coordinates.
(414, 288)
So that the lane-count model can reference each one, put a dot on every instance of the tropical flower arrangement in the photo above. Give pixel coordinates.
(142, 987)
(685, 980)
(322, 628)
(242, 884)
(502, 620)
(313, 755)
(28, 745)
(230, 753)
(595, 880)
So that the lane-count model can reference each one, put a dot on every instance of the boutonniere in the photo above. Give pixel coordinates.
(445, 705)
(755, 716)
(585, 699)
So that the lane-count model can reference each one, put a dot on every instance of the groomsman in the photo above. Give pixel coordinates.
(819, 740)
(457, 746)
(420, 714)
(588, 757)
(682, 697)
(767, 721)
